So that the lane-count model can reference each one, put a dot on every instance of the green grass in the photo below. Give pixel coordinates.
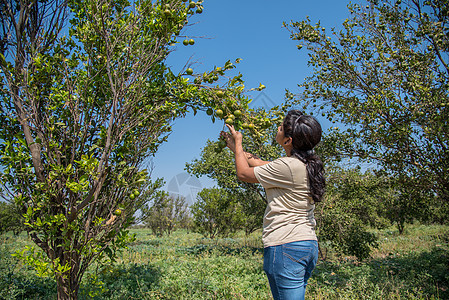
(185, 265)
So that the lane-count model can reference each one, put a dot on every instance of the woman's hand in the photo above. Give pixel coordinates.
(234, 141)
(232, 137)
(227, 137)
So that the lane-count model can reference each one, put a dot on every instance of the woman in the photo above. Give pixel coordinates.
(293, 184)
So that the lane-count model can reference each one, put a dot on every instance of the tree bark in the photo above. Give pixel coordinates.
(67, 287)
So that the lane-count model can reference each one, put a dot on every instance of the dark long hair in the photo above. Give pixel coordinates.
(305, 132)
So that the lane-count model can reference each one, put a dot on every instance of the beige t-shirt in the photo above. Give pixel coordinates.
(289, 213)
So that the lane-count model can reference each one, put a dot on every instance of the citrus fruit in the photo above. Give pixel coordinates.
(219, 113)
(222, 144)
(189, 71)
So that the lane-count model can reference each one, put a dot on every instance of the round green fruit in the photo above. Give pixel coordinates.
(136, 193)
(219, 113)
(118, 212)
(209, 111)
(231, 116)
(189, 71)
(220, 94)
(229, 121)
(199, 10)
(222, 144)
(167, 13)
(132, 196)
(185, 42)
(237, 113)
(191, 41)
(192, 4)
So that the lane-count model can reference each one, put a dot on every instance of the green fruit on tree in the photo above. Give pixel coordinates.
(237, 113)
(185, 42)
(209, 111)
(229, 121)
(167, 13)
(136, 193)
(199, 10)
(222, 144)
(132, 196)
(189, 71)
(251, 126)
(219, 113)
(220, 94)
(191, 41)
(118, 212)
(192, 4)
(245, 125)
(231, 116)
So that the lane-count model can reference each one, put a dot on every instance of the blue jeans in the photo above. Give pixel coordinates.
(288, 267)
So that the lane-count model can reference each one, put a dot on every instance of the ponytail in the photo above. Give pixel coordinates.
(315, 172)
(305, 132)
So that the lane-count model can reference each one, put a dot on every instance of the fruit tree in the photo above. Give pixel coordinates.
(85, 98)
(385, 77)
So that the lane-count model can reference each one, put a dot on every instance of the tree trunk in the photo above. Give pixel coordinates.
(67, 288)
(68, 283)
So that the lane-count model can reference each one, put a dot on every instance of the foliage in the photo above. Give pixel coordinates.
(10, 218)
(166, 214)
(216, 213)
(354, 203)
(384, 76)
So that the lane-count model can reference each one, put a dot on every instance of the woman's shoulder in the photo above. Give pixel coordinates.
(285, 163)
(290, 160)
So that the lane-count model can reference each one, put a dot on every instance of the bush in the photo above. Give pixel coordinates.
(10, 218)
(217, 213)
(166, 214)
(354, 203)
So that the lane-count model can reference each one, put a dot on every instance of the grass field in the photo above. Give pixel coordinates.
(185, 265)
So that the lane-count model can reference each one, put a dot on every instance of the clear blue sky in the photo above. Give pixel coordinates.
(251, 30)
